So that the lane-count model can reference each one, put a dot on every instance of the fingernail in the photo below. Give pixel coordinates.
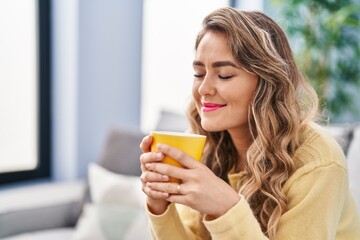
(164, 177)
(148, 185)
(159, 146)
(148, 165)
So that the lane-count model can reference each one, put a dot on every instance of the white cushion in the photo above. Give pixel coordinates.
(107, 187)
(117, 210)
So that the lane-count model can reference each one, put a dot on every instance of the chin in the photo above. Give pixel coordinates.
(211, 127)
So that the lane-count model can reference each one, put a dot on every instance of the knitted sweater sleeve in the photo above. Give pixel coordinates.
(169, 225)
(237, 223)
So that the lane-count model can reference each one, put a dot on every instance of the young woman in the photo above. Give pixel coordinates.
(268, 171)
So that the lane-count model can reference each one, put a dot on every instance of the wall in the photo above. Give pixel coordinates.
(97, 48)
(96, 78)
(64, 88)
(170, 29)
(109, 71)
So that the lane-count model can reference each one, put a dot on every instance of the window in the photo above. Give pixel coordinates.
(24, 90)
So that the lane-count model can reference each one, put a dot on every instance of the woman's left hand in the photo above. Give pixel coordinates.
(199, 189)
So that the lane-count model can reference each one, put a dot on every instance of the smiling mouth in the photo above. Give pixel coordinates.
(210, 107)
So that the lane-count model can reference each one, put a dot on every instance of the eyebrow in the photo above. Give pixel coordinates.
(216, 64)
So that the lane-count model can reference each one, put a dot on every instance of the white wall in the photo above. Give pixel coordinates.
(169, 31)
(253, 5)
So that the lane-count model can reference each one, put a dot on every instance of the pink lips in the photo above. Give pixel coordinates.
(210, 107)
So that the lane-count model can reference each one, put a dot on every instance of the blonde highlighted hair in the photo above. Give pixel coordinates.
(282, 104)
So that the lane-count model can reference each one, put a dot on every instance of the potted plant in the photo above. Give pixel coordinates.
(325, 36)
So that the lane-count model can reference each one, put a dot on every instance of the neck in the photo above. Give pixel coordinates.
(242, 140)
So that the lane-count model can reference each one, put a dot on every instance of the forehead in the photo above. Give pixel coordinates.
(214, 45)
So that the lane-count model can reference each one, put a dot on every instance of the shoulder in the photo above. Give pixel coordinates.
(318, 149)
(319, 161)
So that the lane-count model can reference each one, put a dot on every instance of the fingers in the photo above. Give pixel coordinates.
(151, 193)
(183, 158)
(151, 162)
(151, 176)
(169, 188)
(146, 144)
(159, 195)
(148, 176)
(151, 157)
(168, 170)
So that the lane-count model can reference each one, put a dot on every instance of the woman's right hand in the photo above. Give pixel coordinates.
(155, 200)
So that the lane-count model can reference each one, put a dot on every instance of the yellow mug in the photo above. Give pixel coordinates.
(191, 144)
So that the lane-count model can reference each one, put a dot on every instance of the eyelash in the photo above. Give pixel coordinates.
(220, 76)
(225, 77)
(198, 75)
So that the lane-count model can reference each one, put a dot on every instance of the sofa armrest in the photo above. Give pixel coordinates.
(41, 206)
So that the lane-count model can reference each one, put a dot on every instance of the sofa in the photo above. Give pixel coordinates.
(109, 204)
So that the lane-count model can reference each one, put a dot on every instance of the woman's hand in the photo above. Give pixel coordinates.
(200, 188)
(155, 199)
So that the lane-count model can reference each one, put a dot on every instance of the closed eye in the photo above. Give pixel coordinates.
(225, 77)
(199, 75)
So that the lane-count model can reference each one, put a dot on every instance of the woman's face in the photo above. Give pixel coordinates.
(222, 89)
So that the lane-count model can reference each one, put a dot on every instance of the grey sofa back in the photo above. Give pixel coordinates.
(121, 151)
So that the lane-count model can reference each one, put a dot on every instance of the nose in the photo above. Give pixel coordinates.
(207, 86)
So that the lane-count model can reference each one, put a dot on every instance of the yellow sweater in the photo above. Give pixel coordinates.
(320, 205)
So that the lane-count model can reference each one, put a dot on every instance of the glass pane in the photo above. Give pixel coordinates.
(18, 85)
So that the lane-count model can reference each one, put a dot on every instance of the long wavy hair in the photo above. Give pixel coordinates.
(282, 104)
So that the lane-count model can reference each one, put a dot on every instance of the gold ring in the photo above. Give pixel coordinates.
(178, 187)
